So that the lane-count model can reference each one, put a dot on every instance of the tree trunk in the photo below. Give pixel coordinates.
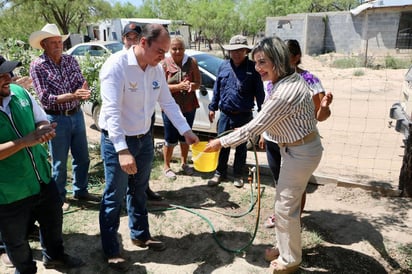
(405, 177)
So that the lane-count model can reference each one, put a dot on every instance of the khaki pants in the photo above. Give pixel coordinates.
(299, 162)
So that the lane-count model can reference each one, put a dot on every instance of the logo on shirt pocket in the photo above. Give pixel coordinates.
(155, 84)
(132, 86)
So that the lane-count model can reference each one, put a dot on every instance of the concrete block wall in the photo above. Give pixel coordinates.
(286, 27)
(374, 30)
(343, 33)
(315, 35)
(382, 30)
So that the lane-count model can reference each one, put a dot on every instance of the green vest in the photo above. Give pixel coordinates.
(22, 172)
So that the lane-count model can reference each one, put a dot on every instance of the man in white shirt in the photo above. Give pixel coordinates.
(131, 83)
(130, 37)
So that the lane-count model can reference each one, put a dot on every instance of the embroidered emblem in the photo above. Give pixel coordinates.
(155, 84)
(132, 86)
(24, 102)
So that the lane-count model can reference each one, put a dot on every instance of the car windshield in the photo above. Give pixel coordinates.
(114, 47)
(208, 62)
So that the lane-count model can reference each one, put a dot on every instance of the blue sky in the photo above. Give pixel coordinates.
(137, 3)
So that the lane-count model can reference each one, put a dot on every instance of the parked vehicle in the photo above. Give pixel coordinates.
(95, 48)
(208, 66)
(402, 111)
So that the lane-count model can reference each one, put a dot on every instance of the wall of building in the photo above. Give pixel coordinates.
(372, 31)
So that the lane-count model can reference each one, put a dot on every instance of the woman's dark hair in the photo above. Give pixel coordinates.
(294, 48)
(277, 51)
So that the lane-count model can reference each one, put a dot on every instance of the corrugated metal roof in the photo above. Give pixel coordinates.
(380, 4)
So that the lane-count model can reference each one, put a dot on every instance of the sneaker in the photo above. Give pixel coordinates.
(169, 174)
(118, 263)
(5, 260)
(66, 205)
(66, 261)
(187, 170)
(214, 181)
(270, 222)
(238, 182)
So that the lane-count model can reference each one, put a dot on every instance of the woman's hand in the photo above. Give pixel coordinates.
(213, 145)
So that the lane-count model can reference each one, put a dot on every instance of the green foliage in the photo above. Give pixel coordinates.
(13, 49)
(348, 62)
(359, 72)
(70, 15)
(396, 63)
(90, 67)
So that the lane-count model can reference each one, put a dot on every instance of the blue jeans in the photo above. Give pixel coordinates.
(230, 122)
(274, 158)
(119, 184)
(171, 133)
(70, 134)
(16, 218)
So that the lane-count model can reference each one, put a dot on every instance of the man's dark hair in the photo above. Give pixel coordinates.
(152, 31)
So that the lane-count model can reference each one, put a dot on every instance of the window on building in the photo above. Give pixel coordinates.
(404, 38)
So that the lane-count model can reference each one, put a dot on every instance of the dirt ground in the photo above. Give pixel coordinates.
(208, 230)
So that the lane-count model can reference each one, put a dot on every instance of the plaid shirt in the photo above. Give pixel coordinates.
(51, 80)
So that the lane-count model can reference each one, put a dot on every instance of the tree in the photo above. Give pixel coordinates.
(214, 19)
(69, 15)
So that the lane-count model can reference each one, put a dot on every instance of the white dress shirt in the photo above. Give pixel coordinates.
(129, 96)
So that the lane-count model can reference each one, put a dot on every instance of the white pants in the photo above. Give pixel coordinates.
(299, 162)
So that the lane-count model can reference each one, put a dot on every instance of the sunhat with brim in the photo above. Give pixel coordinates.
(8, 66)
(49, 30)
(237, 42)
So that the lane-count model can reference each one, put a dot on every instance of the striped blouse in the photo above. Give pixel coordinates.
(287, 115)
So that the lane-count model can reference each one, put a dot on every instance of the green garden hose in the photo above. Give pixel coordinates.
(253, 201)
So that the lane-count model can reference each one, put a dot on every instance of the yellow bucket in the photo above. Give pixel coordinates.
(204, 161)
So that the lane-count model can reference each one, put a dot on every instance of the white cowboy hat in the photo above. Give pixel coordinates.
(49, 30)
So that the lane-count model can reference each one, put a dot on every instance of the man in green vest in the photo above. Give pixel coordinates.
(27, 190)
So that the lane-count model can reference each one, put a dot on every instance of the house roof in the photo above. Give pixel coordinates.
(380, 4)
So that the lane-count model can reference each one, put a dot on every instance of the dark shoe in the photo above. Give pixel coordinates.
(66, 261)
(188, 170)
(153, 244)
(5, 260)
(215, 180)
(153, 196)
(118, 263)
(238, 182)
(87, 197)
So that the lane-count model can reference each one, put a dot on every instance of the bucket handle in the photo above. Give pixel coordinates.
(194, 159)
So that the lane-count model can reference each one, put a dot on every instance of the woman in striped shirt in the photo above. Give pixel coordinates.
(287, 116)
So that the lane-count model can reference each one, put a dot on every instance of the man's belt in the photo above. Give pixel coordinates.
(235, 112)
(67, 112)
(307, 139)
(105, 132)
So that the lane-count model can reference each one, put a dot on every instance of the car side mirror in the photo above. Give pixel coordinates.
(203, 90)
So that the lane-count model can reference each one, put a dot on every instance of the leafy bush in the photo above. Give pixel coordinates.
(349, 62)
(17, 50)
(359, 72)
(90, 67)
(396, 63)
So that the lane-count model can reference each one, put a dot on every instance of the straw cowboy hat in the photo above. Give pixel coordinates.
(49, 30)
